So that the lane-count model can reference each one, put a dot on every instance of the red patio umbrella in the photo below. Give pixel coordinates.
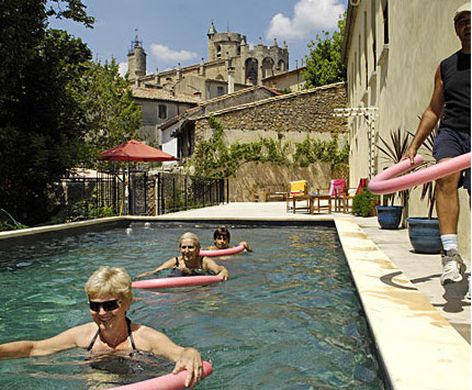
(135, 151)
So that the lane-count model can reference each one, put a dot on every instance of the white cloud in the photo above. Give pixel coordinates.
(164, 54)
(122, 68)
(309, 16)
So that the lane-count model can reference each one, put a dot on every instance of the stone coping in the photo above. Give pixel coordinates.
(418, 347)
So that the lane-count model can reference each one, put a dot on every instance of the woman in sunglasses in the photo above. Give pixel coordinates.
(110, 296)
(190, 262)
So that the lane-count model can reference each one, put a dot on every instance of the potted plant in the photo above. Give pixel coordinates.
(390, 215)
(363, 203)
(424, 231)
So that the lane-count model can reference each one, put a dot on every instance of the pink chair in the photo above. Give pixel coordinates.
(337, 187)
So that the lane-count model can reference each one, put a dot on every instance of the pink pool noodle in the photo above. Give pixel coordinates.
(166, 382)
(387, 181)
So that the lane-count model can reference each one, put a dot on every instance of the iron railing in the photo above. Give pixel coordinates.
(138, 193)
(176, 192)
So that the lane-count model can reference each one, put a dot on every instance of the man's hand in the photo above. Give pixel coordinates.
(410, 154)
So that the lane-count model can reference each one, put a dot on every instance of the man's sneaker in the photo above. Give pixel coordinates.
(453, 267)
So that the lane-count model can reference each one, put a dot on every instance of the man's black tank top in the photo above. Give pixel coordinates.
(455, 75)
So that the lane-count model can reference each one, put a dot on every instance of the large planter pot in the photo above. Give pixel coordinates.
(424, 235)
(389, 217)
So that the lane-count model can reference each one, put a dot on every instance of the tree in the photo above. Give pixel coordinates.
(324, 64)
(111, 114)
(40, 121)
(41, 137)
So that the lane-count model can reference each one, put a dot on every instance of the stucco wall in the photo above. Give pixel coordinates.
(150, 119)
(256, 178)
(400, 79)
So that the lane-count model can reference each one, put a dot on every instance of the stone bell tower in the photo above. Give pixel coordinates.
(136, 60)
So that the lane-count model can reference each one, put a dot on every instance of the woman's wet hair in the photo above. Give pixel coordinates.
(222, 231)
(190, 236)
(111, 281)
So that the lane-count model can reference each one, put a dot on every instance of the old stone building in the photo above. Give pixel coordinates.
(177, 134)
(231, 65)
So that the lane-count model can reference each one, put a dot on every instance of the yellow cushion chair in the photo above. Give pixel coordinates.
(298, 190)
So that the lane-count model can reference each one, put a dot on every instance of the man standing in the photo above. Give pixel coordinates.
(450, 105)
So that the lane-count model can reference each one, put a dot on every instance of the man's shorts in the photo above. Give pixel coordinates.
(450, 143)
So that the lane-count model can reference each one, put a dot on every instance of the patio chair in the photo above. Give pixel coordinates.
(337, 190)
(298, 191)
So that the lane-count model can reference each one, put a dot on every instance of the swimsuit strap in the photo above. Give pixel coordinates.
(130, 335)
(201, 262)
(89, 348)
(176, 262)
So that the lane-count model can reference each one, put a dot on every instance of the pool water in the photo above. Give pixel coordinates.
(288, 318)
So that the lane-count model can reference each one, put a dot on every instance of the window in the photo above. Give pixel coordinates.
(220, 91)
(162, 111)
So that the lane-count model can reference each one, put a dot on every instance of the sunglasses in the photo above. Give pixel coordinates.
(107, 305)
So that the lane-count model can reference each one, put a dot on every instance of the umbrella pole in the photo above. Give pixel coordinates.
(127, 193)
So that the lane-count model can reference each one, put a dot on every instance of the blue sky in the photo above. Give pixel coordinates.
(174, 31)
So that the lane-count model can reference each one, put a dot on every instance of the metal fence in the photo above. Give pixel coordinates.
(175, 192)
(138, 193)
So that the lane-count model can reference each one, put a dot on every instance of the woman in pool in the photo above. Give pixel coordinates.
(111, 332)
(189, 261)
(222, 237)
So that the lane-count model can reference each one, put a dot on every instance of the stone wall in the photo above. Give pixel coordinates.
(291, 116)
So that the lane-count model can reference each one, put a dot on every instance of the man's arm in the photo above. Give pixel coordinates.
(430, 117)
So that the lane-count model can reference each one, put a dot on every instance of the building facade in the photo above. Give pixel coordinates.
(231, 66)
(391, 50)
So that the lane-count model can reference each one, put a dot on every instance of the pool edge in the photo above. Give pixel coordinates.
(419, 348)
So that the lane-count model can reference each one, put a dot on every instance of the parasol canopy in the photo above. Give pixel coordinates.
(135, 151)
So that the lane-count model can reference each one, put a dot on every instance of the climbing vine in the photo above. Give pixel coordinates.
(212, 158)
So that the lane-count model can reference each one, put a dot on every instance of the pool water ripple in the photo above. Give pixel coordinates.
(288, 318)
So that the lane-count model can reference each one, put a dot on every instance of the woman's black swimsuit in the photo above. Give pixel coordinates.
(193, 272)
(130, 335)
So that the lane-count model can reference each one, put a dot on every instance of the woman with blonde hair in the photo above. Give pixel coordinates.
(190, 262)
(111, 331)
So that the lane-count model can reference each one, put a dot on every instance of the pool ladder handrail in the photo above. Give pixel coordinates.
(17, 224)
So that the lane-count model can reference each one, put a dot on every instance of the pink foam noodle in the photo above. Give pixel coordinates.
(222, 252)
(387, 181)
(179, 281)
(166, 382)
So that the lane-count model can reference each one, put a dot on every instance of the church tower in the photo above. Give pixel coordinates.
(136, 60)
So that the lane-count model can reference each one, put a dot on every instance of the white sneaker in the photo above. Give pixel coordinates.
(453, 267)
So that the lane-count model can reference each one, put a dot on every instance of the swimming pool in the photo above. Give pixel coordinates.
(288, 318)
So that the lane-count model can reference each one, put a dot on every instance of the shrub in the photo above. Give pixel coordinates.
(363, 203)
